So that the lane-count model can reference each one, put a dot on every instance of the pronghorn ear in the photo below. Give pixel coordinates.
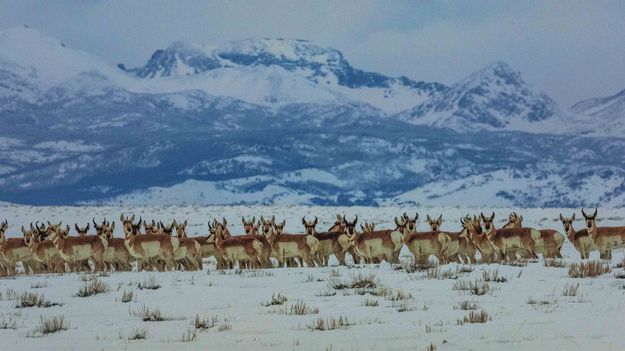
(521, 218)
(113, 226)
(362, 228)
(76, 227)
(405, 216)
(132, 218)
(67, 228)
(284, 222)
(573, 217)
(429, 219)
(315, 222)
(49, 224)
(338, 216)
(243, 220)
(561, 217)
(304, 221)
(23, 231)
(440, 219)
(253, 220)
(185, 223)
(262, 219)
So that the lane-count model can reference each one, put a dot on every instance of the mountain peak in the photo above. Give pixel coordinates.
(498, 72)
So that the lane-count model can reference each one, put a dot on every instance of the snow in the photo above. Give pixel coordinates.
(589, 320)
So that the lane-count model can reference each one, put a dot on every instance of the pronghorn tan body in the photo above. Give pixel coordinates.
(374, 246)
(149, 247)
(580, 238)
(479, 239)
(451, 251)
(333, 242)
(550, 242)
(606, 239)
(237, 248)
(189, 250)
(251, 228)
(285, 246)
(14, 250)
(80, 249)
(44, 251)
(116, 254)
(508, 241)
(423, 244)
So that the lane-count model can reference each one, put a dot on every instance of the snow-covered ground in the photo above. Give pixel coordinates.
(593, 319)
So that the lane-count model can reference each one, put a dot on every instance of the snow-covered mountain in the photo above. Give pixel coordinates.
(608, 113)
(494, 98)
(284, 121)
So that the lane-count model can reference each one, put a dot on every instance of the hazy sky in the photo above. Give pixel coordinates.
(570, 49)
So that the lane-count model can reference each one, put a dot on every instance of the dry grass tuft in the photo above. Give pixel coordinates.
(93, 287)
(588, 269)
(475, 317)
(9, 320)
(149, 314)
(28, 299)
(371, 303)
(225, 326)
(150, 284)
(38, 285)
(474, 287)
(278, 299)
(330, 324)
(127, 296)
(570, 289)
(492, 275)
(189, 336)
(301, 309)
(138, 334)
(52, 325)
(467, 306)
(205, 323)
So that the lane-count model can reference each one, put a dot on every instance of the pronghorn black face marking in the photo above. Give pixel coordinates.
(267, 225)
(410, 223)
(309, 226)
(350, 227)
(488, 221)
(167, 230)
(249, 226)
(435, 225)
(567, 222)
(81, 231)
(181, 229)
(338, 226)
(590, 219)
(279, 227)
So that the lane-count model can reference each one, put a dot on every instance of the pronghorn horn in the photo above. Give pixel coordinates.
(440, 219)
(304, 221)
(315, 222)
(595, 214)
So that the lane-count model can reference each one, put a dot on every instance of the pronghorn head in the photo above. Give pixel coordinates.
(368, 227)
(568, 224)
(165, 229)
(108, 230)
(181, 229)
(3, 226)
(249, 226)
(409, 223)
(130, 228)
(150, 227)
(338, 226)
(54, 227)
(474, 227)
(488, 222)
(42, 232)
(591, 222)
(435, 225)
(350, 227)
(267, 225)
(82, 231)
(401, 224)
(216, 230)
(99, 228)
(63, 232)
(278, 228)
(309, 226)
(29, 235)
(514, 221)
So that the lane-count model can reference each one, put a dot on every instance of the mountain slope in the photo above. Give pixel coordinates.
(493, 98)
(608, 113)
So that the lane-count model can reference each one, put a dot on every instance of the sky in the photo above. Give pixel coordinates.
(572, 50)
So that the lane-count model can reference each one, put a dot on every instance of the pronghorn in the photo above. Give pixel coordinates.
(466, 249)
(236, 248)
(268, 229)
(480, 240)
(451, 251)
(43, 250)
(99, 228)
(605, 238)
(151, 228)
(550, 242)
(409, 223)
(252, 228)
(3, 267)
(189, 251)
(375, 245)
(208, 249)
(82, 231)
(285, 246)
(509, 240)
(333, 242)
(149, 247)
(78, 249)
(580, 238)
(14, 250)
(116, 254)
(367, 227)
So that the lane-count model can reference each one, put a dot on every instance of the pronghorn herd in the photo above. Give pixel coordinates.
(152, 245)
